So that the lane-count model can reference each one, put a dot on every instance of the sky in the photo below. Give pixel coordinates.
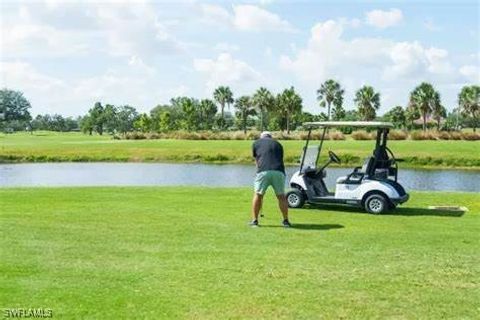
(66, 55)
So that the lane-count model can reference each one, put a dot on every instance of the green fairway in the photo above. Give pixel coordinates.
(48, 146)
(138, 253)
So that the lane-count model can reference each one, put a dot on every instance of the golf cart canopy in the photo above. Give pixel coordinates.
(333, 124)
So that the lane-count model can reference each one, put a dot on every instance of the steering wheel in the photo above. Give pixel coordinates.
(334, 157)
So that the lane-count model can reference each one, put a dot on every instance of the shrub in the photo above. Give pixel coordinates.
(397, 135)
(253, 135)
(153, 135)
(420, 135)
(361, 135)
(315, 135)
(455, 135)
(337, 135)
(284, 136)
(470, 136)
(444, 135)
(238, 136)
(135, 136)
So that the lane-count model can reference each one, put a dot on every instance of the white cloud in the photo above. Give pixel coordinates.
(226, 47)
(138, 64)
(412, 59)
(134, 30)
(253, 18)
(216, 15)
(61, 29)
(245, 18)
(471, 73)
(391, 67)
(22, 76)
(384, 19)
(225, 70)
(22, 35)
(265, 2)
(327, 53)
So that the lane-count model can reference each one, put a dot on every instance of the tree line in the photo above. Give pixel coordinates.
(262, 109)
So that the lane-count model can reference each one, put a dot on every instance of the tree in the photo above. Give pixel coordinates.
(126, 117)
(165, 121)
(439, 113)
(189, 108)
(86, 124)
(110, 118)
(175, 111)
(14, 108)
(97, 118)
(397, 116)
(338, 113)
(142, 123)
(223, 96)
(207, 110)
(469, 102)
(244, 106)
(411, 114)
(368, 102)
(424, 98)
(288, 103)
(264, 101)
(330, 92)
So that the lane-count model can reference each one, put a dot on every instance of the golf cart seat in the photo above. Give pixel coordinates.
(358, 172)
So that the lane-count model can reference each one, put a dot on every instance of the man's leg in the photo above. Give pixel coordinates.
(256, 205)
(283, 205)
(278, 179)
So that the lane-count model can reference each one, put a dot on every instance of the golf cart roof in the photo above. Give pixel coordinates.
(333, 124)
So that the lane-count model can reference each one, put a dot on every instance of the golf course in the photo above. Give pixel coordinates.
(153, 252)
(60, 147)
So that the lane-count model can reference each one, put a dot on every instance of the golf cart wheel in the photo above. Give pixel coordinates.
(376, 204)
(295, 198)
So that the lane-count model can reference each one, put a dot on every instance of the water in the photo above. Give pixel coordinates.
(163, 174)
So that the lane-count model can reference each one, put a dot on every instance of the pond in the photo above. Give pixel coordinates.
(166, 174)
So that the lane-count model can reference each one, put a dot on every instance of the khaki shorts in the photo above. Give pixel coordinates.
(273, 178)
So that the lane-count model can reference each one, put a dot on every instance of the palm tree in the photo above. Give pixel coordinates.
(411, 114)
(439, 112)
(207, 110)
(263, 100)
(288, 103)
(424, 98)
(223, 96)
(245, 108)
(397, 116)
(330, 92)
(469, 102)
(368, 102)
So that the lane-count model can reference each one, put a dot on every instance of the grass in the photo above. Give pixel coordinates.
(48, 146)
(151, 253)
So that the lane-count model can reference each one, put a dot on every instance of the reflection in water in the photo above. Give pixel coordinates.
(163, 174)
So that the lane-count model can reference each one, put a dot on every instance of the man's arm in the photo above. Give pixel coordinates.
(254, 154)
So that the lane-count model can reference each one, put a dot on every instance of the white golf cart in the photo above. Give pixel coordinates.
(372, 186)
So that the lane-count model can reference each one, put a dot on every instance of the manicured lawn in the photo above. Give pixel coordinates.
(138, 253)
(48, 146)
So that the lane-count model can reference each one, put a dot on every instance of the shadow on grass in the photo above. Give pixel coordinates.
(308, 226)
(426, 212)
(396, 212)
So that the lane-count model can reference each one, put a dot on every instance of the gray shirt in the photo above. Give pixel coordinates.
(269, 155)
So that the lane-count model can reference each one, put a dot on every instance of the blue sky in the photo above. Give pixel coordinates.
(66, 55)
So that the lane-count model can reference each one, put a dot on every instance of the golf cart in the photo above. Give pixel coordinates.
(372, 186)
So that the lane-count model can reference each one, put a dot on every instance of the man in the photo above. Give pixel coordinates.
(268, 155)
